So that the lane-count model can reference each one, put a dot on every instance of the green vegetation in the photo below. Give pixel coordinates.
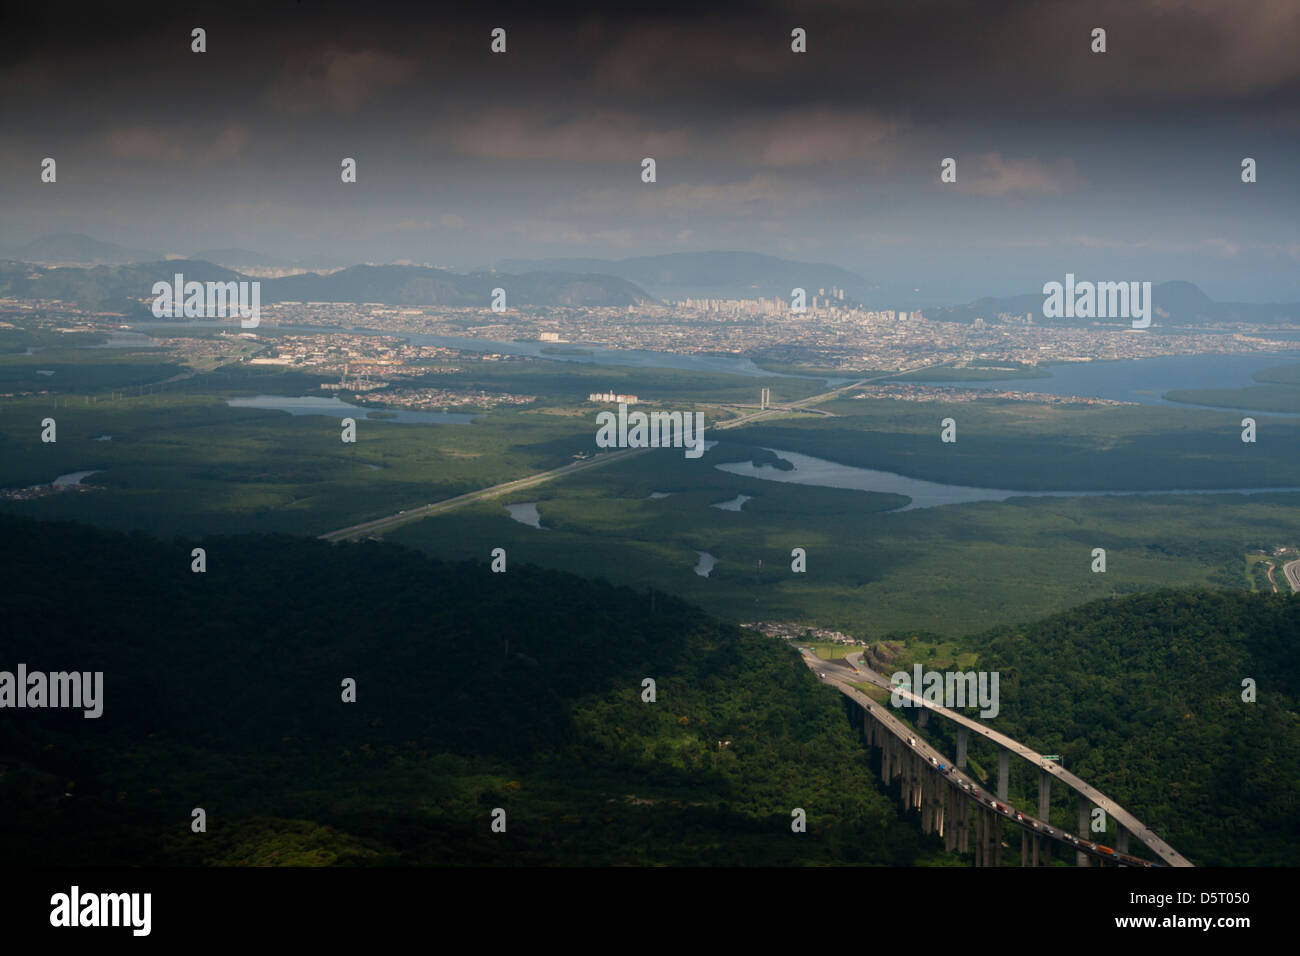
(183, 461)
(226, 684)
(1279, 393)
(567, 384)
(952, 570)
(73, 375)
(180, 460)
(1142, 697)
(817, 369)
(474, 691)
(1030, 447)
(830, 651)
(1257, 569)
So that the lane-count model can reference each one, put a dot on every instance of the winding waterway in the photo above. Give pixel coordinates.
(927, 494)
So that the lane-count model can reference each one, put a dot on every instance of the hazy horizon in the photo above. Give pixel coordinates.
(1123, 165)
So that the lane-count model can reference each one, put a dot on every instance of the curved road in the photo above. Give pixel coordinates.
(1292, 571)
(963, 782)
(1125, 819)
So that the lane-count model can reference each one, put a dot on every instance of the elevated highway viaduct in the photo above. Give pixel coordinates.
(944, 796)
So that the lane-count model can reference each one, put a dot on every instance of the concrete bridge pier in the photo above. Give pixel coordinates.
(1032, 846)
(963, 734)
(963, 823)
(1004, 772)
(951, 803)
(918, 783)
(929, 815)
(906, 783)
(1081, 858)
(934, 801)
(988, 837)
(1121, 840)
(1043, 847)
(923, 718)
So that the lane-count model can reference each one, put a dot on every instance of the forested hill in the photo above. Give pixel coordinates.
(1142, 697)
(222, 690)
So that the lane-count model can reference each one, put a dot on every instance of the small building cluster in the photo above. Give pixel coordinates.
(612, 397)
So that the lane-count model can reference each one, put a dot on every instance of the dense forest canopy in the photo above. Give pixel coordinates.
(1143, 698)
(523, 691)
(475, 690)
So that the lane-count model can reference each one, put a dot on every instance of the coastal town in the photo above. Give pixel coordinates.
(390, 355)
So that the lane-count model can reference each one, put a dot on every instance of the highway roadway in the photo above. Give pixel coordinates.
(1292, 571)
(415, 514)
(598, 460)
(860, 672)
(956, 778)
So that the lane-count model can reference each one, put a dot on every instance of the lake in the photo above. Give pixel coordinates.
(526, 513)
(704, 567)
(735, 504)
(1146, 380)
(926, 494)
(73, 478)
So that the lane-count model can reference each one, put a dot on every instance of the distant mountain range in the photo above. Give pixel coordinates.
(118, 274)
(717, 275)
(1176, 303)
(120, 287)
(74, 248)
(244, 260)
(419, 285)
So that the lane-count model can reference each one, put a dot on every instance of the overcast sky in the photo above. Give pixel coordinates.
(1123, 165)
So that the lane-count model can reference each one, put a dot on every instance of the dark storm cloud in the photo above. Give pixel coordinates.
(465, 157)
